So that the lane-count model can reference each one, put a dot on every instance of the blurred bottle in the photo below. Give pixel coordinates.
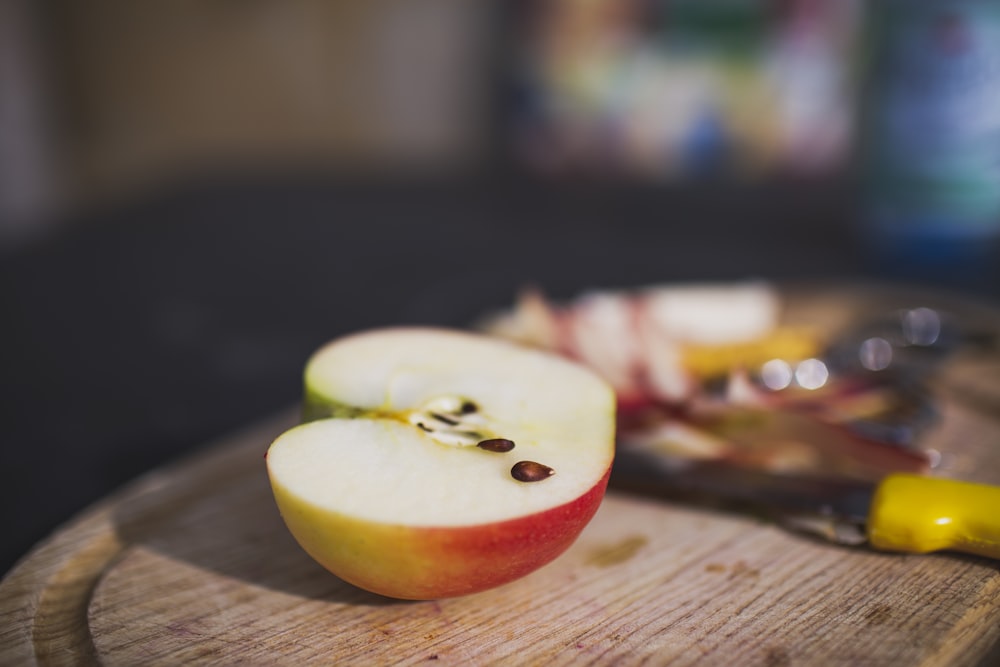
(931, 136)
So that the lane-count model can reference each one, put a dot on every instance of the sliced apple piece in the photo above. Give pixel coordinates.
(711, 314)
(441, 463)
(601, 334)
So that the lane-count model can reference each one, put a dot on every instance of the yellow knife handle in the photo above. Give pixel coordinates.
(920, 514)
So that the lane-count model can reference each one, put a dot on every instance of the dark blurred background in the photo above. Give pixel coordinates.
(195, 195)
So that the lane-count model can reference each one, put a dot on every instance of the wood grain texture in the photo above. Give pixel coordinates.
(192, 565)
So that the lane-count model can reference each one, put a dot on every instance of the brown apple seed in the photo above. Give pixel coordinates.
(496, 445)
(467, 407)
(446, 420)
(530, 471)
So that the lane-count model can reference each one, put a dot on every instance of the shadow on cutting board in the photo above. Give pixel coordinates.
(217, 514)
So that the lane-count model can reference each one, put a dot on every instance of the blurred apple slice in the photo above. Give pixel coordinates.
(442, 463)
(601, 334)
(709, 314)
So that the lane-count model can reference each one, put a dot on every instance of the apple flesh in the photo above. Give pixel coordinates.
(402, 484)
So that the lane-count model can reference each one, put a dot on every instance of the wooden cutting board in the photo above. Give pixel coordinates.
(192, 565)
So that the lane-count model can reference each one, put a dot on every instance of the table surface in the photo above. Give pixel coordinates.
(193, 564)
(143, 330)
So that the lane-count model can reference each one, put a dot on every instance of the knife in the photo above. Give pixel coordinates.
(902, 512)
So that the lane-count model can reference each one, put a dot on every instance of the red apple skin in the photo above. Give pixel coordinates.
(426, 563)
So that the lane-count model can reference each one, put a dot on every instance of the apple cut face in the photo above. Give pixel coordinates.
(440, 463)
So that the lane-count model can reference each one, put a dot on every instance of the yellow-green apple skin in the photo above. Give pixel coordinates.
(393, 495)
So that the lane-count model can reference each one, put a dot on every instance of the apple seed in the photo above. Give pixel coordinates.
(496, 445)
(450, 420)
(530, 471)
(441, 418)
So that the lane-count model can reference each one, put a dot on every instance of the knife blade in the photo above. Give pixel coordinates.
(903, 512)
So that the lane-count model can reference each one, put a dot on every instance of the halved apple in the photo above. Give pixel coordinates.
(440, 463)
